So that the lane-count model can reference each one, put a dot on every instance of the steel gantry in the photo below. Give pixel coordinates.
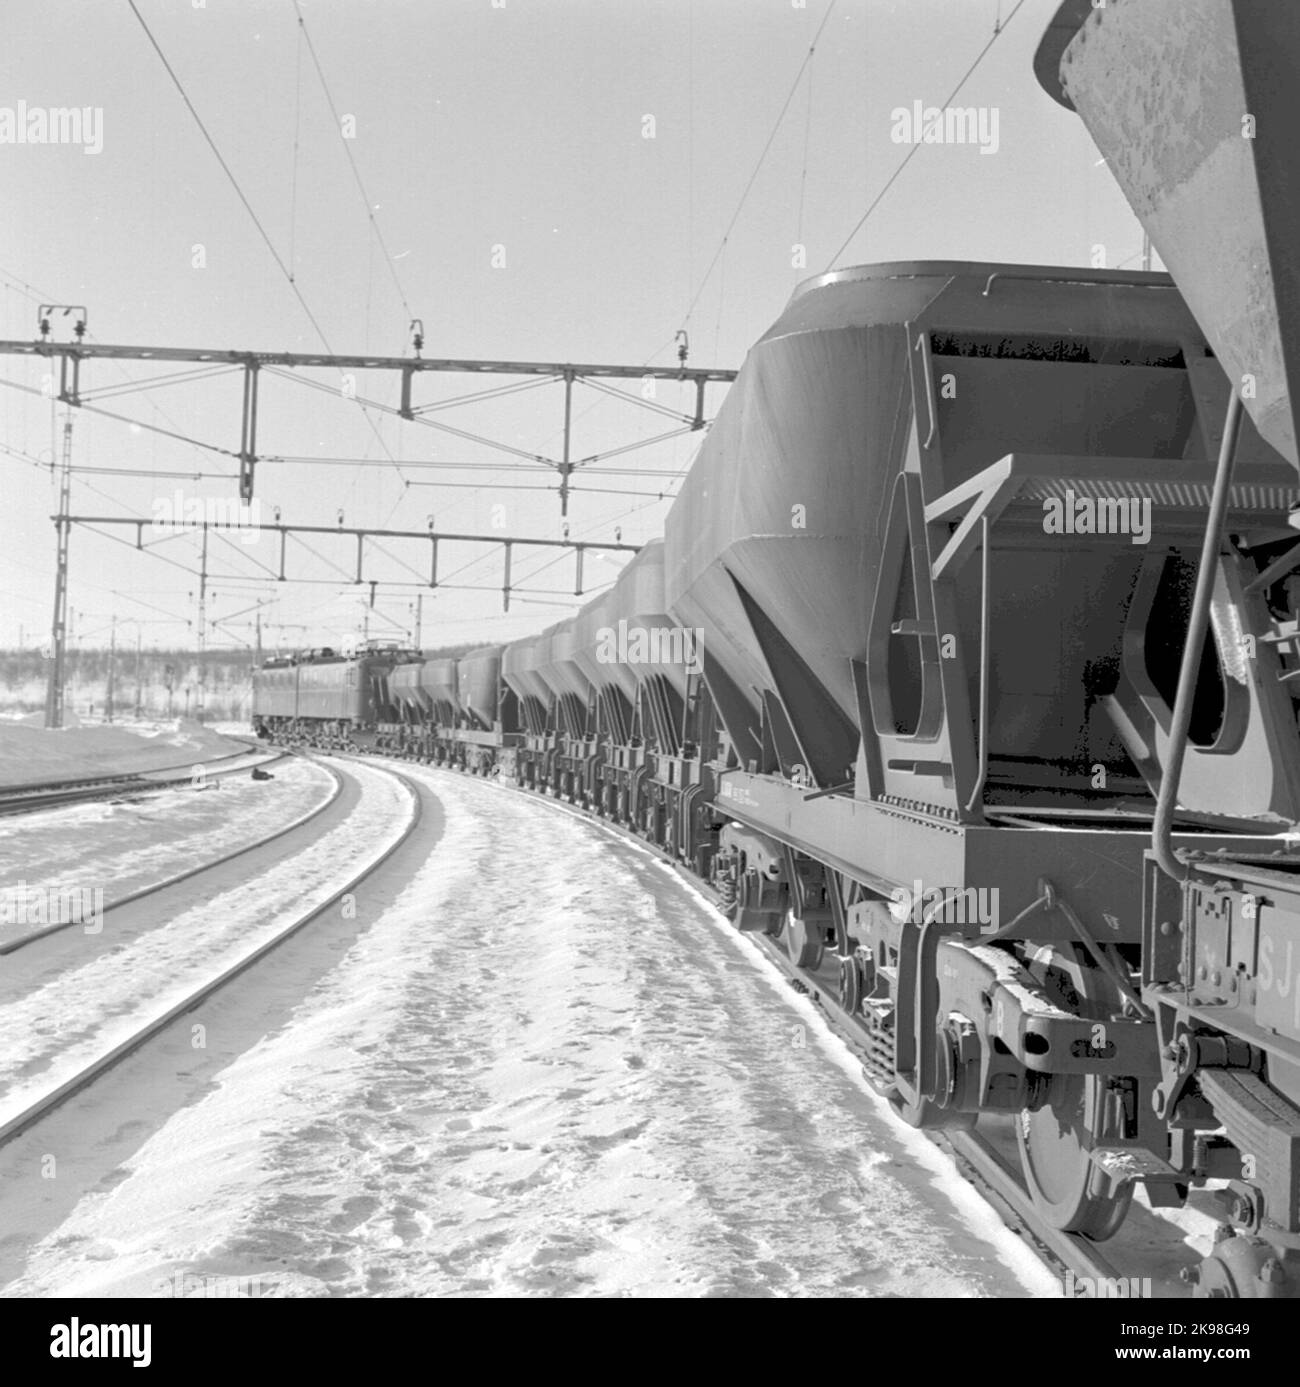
(59, 624)
(71, 355)
(433, 538)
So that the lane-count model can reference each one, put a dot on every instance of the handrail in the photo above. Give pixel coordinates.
(977, 794)
(1198, 621)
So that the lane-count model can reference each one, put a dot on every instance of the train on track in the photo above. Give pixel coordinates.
(970, 661)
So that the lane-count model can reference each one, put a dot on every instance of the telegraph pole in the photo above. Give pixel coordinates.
(565, 468)
(59, 626)
(139, 674)
(419, 621)
(203, 629)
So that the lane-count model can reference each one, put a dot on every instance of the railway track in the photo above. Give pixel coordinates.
(978, 1160)
(974, 1155)
(12, 946)
(53, 794)
(33, 1111)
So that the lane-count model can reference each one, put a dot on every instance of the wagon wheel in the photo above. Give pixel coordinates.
(850, 983)
(803, 942)
(725, 877)
(1068, 1190)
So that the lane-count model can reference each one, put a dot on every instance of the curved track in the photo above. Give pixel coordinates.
(76, 1083)
(12, 946)
(26, 799)
(978, 1159)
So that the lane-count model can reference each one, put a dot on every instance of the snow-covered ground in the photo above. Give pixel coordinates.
(547, 1068)
(57, 1014)
(120, 847)
(31, 755)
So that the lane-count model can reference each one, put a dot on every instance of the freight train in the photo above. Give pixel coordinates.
(969, 662)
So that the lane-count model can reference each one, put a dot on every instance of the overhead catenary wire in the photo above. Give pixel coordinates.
(125, 419)
(419, 419)
(377, 234)
(803, 173)
(38, 297)
(293, 179)
(129, 386)
(518, 589)
(288, 269)
(248, 207)
(352, 163)
(998, 31)
(735, 216)
(225, 168)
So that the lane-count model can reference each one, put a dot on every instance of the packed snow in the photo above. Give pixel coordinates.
(31, 754)
(548, 1067)
(89, 1004)
(121, 846)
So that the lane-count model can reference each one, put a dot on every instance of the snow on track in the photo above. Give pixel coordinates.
(51, 1032)
(548, 1069)
(123, 846)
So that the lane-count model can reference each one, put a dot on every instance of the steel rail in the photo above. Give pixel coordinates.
(56, 1097)
(18, 799)
(11, 946)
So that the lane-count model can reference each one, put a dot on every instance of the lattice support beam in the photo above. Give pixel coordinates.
(71, 355)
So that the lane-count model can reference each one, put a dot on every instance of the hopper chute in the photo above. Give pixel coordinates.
(1195, 105)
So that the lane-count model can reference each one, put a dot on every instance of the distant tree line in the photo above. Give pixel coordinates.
(157, 683)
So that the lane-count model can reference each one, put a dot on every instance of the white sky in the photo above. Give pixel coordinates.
(476, 126)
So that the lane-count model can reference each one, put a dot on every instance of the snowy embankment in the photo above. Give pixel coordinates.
(31, 755)
(50, 1032)
(549, 1068)
(120, 847)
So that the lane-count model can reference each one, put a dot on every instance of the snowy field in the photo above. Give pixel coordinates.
(547, 1067)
